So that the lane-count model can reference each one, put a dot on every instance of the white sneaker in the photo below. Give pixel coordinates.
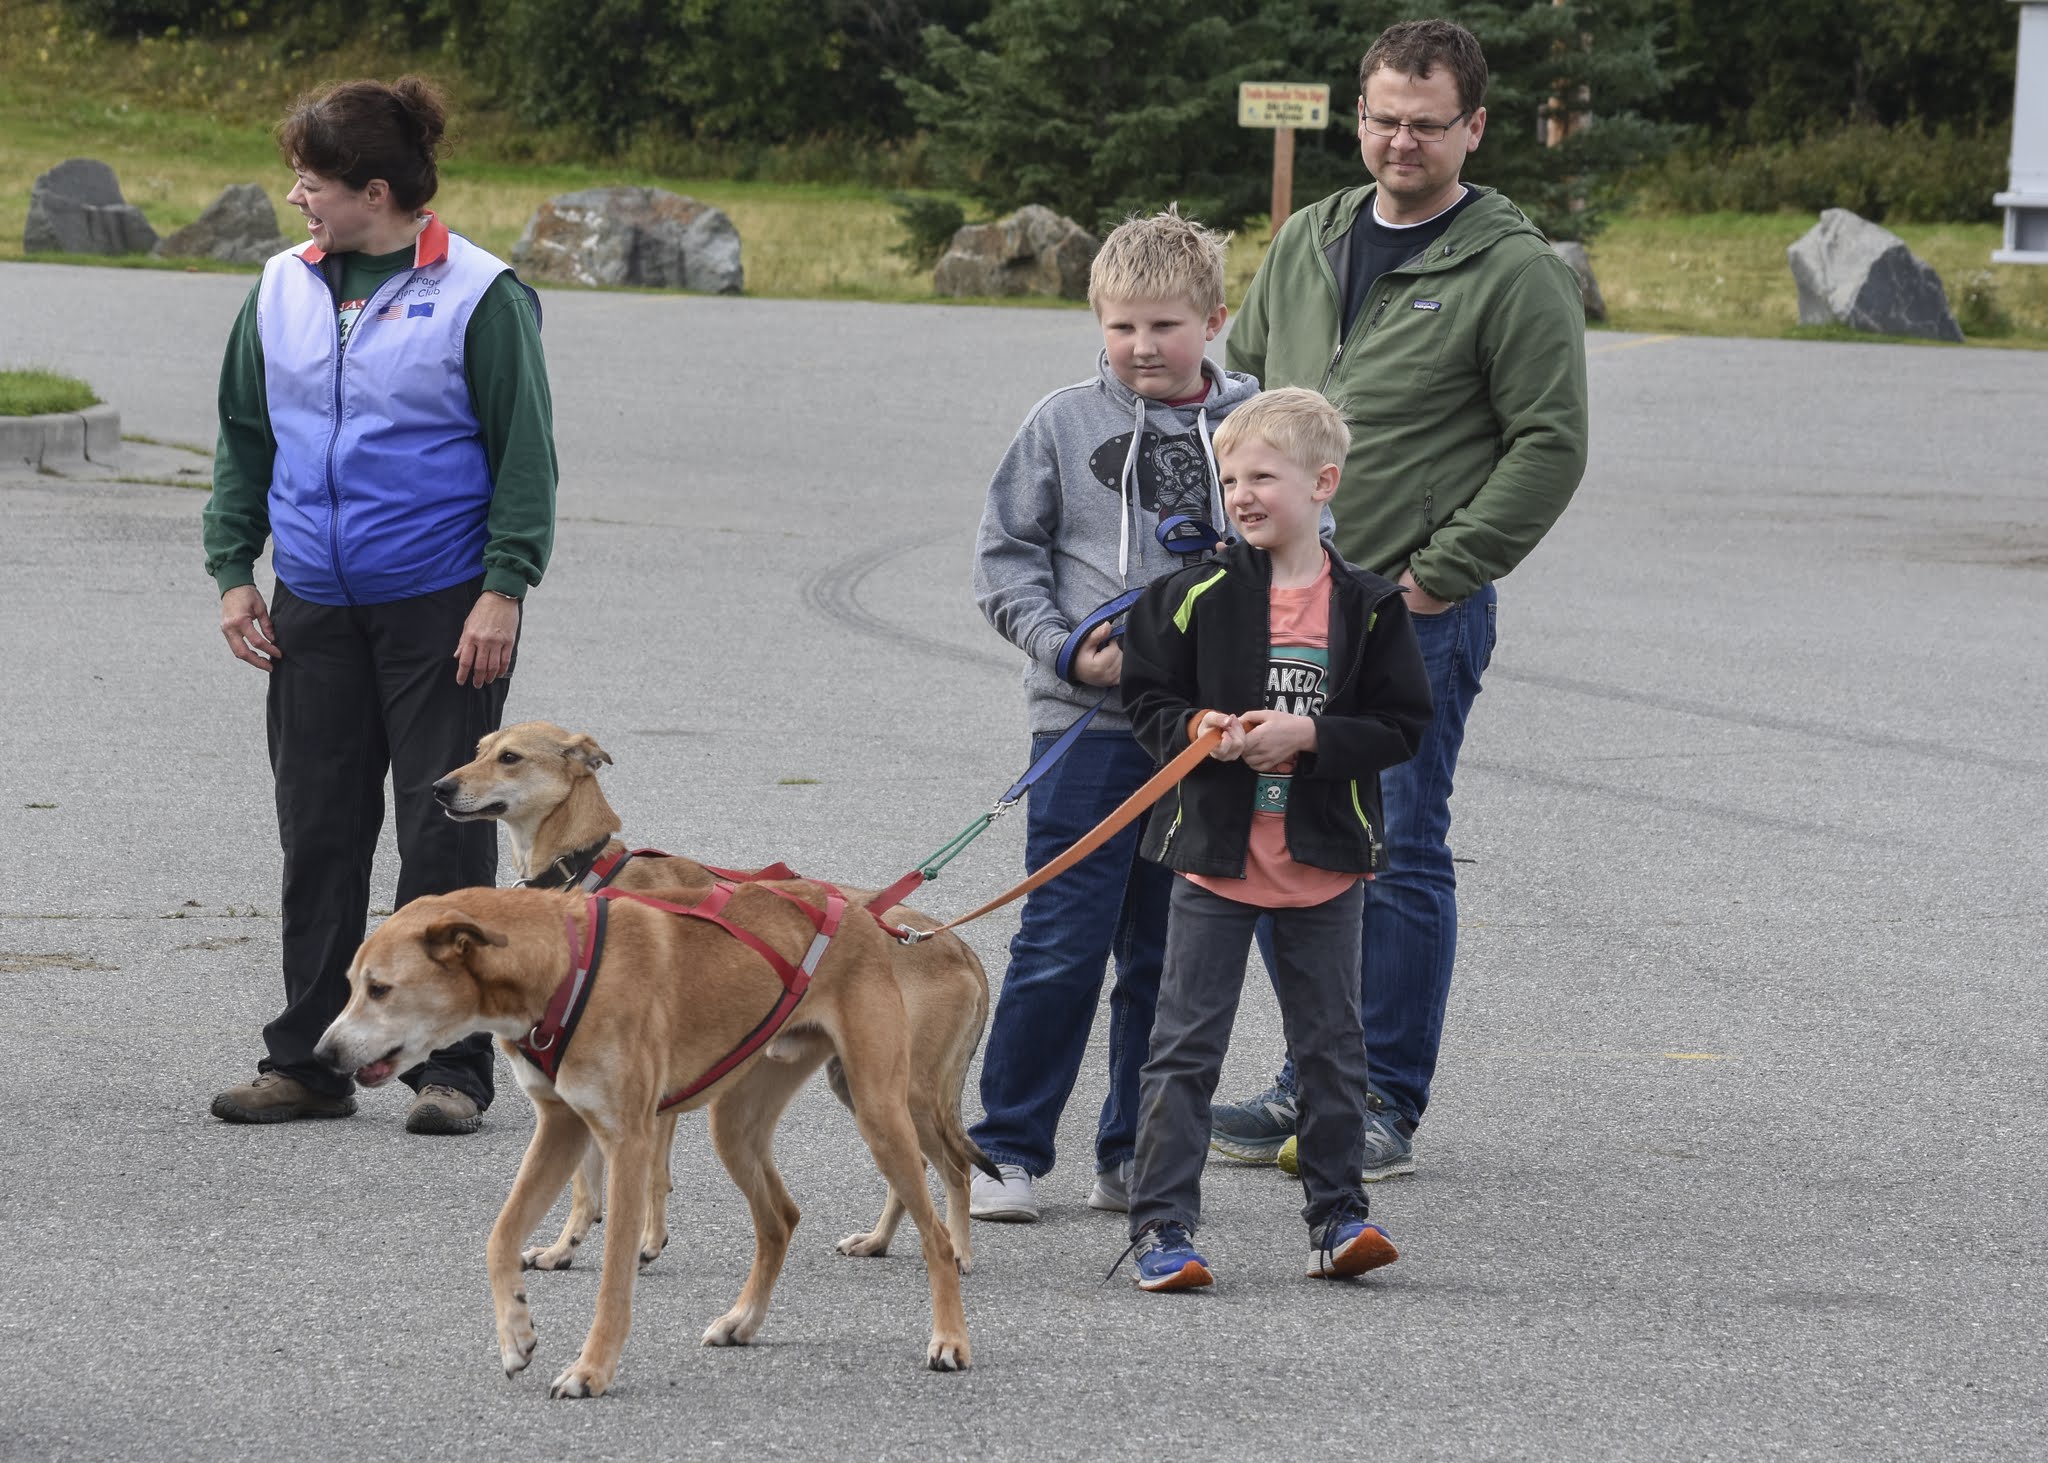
(1008, 1199)
(1112, 1189)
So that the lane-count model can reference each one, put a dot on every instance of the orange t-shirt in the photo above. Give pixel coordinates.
(1297, 680)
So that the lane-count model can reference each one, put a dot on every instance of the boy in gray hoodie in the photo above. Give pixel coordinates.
(1073, 521)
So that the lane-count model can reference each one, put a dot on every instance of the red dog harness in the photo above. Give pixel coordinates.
(549, 1038)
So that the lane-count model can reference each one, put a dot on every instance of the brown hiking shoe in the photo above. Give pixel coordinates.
(276, 1098)
(443, 1110)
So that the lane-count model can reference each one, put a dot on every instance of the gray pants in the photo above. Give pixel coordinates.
(1316, 953)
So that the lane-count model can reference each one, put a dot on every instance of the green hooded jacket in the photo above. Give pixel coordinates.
(1463, 380)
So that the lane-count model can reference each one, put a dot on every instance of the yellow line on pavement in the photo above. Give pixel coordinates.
(1629, 345)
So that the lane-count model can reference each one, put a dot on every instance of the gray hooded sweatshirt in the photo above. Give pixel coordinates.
(1071, 515)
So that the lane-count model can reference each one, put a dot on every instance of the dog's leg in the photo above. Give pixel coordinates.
(742, 1131)
(559, 1138)
(876, 1241)
(586, 1208)
(660, 1184)
(880, 1083)
(629, 1152)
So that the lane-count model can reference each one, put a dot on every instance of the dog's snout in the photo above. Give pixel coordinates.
(326, 1055)
(444, 791)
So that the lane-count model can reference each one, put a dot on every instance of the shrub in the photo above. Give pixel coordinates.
(929, 223)
(1907, 174)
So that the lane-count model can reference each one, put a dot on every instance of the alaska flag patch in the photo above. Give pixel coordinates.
(413, 310)
(1422, 304)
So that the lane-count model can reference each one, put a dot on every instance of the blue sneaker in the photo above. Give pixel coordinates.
(1348, 1243)
(1252, 1131)
(1168, 1260)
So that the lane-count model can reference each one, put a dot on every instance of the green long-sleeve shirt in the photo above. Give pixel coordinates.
(508, 389)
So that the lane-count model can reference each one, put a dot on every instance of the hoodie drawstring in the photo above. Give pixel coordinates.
(1124, 480)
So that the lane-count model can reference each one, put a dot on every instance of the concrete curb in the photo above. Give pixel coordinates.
(92, 435)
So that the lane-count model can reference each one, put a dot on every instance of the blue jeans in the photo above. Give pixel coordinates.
(1411, 909)
(1111, 904)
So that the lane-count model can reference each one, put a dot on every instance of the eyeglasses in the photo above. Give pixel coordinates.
(1420, 131)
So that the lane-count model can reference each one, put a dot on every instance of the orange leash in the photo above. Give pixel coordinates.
(1107, 829)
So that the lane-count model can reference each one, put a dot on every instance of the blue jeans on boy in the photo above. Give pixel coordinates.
(1111, 904)
(1411, 908)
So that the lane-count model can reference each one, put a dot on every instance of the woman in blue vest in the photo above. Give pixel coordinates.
(385, 424)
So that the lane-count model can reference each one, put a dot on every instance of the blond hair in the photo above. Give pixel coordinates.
(1162, 257)
(1296, 423)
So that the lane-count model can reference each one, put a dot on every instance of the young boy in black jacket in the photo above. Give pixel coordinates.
(1309, 668)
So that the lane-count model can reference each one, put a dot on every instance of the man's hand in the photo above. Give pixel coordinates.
(1420, 600)
(1273, 739)
(1232, 745)
(245, 621)
(488, 635)
(1100, 660)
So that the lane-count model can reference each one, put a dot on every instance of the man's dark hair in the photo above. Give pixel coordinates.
(1418, 47)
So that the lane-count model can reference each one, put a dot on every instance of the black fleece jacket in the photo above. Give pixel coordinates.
(1200, 639)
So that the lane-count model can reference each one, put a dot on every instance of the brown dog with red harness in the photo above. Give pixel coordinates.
(541, 783)
(615, 1008)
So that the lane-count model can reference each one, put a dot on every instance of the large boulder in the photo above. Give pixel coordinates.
(1852, 272)
(636, 236)
(239, 227)
(1575, 255)
(1032, 252)
(77, 208)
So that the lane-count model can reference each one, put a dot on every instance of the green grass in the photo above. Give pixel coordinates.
(1725, 274)
(31, 393)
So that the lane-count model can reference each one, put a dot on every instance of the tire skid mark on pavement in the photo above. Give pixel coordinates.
(1770, 721)
(834, 593)
(1690, 807)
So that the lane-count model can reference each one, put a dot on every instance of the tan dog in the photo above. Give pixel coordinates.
(540, 782)
(670, 998)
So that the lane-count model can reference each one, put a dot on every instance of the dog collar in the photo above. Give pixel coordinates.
(567, 869)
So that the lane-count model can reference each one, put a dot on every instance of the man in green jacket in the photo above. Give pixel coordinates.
(1443, 326)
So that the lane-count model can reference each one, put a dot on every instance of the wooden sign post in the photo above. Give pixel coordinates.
(1282, 106)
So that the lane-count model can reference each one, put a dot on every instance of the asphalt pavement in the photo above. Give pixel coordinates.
(1735, 1150)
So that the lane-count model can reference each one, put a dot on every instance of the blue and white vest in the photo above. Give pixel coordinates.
(381, 487)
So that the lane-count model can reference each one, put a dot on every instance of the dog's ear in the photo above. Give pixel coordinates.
(584, 748)
(450, 940)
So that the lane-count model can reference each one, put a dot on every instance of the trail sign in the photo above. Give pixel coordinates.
(1282, 104)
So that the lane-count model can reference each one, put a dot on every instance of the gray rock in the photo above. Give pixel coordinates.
(1574, 254)
(635, 236)
(239, 227)
(76, 208)
(1852, 272)
(1032, 252)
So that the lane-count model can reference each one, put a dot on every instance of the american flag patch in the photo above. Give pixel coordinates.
(389, 312)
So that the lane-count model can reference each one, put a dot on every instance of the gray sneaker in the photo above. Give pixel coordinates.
(1112, 1191)
(1389, 1145)
(1252, 1131)
(1008, 1200)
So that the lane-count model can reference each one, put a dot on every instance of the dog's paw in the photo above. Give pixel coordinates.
(734, 1328)
(516, 1339)
(948, 1354)
(579, 1381)
(557, 1256)
(864, 1243)
(650, 1250)
(964, 1259)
